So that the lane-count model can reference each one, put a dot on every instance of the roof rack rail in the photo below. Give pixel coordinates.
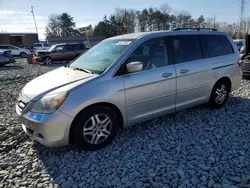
(198, 29)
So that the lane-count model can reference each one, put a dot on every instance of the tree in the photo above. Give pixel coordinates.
(53, 26)
(67, 25)
(61, 25)
(201, 21)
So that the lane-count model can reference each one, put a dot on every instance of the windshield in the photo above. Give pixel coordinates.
(51, 48)
(101, 56)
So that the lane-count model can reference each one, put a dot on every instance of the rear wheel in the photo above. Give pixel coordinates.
(219, 95)
(95, 128)
(23, 55)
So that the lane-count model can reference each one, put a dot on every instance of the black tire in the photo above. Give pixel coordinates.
(216, 104)
(47, 61)
(84, 120)
(23, 55)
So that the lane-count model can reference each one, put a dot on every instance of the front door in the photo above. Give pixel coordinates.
(150, 92)
(194, 73)
(58, 53)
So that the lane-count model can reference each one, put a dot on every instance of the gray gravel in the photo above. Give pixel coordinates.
(196, 147)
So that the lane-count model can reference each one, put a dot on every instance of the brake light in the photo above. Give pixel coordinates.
(240, 63)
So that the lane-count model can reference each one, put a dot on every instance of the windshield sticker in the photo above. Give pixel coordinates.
(123, 42)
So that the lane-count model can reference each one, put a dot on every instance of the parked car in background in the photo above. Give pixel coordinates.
(240, 43)
(15, 51)
(41, 46)
(5, 57)
(128, 79)
(60, 52)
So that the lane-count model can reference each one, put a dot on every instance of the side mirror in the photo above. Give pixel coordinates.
(134, 66)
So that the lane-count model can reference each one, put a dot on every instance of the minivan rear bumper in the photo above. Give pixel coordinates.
(51, 130)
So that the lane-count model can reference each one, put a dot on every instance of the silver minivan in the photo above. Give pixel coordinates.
(128, 79)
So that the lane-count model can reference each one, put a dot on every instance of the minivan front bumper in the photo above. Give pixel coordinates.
(49, 129)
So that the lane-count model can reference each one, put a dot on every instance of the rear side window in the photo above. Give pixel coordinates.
(186, 48)
(70, 47)
(218, 45)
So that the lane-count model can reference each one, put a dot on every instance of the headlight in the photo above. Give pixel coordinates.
(49, 103)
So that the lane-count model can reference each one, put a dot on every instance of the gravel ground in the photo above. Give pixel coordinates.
(197, 147)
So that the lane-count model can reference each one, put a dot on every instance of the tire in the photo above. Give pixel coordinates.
(90, 135)
(221, 88)
(23, 55)
(47, 61)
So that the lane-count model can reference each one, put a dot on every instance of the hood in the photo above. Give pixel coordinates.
(58, 80)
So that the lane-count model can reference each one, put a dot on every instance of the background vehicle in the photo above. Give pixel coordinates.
(128, 79)
(5, 57)
(240, 43)
(41, 46)
(15, 51)
(60, 52)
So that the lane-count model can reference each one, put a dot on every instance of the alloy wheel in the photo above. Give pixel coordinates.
(220, 94)
(97, 129)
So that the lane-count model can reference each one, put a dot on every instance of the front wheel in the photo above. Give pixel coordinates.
(95, 128)
(47, 61)
(219, 95)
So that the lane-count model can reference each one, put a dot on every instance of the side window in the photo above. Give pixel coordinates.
(4, 47)
(70, 48)
(239, 43)
(13, 48)
(151, 53)
(80, 47)
(186, 48)
(59, 48)
(218, 45)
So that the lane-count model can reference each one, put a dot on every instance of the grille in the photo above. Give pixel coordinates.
(21, 105)
(246, 66)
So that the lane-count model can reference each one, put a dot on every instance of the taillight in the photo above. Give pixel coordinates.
(240, 63)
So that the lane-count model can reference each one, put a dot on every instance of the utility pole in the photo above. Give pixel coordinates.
(214, 20)
(242, 15)
(32, 11)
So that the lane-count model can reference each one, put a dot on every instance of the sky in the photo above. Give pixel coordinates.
(15, 15)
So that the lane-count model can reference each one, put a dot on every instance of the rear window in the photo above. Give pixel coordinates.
(186, 48)
(218, 45)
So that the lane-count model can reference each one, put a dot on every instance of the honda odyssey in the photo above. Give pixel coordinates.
(128, 79)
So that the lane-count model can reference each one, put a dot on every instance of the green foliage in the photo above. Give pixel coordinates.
(61, 25)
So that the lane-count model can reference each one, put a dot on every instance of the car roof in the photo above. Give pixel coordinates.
(69, 43)
(167, 32)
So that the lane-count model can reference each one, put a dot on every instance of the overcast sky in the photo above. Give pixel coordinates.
(15, 15)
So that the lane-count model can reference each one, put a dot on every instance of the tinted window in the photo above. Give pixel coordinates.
(4, 47)
(46, 45)
(80, 47)
(38, 45)
(59, 48)
(150, 53)
(218, 45)
(186, 48)
(70, 48)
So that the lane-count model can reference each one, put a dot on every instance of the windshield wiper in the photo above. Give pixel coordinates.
(84, 70)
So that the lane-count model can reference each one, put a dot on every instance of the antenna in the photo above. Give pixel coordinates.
(242, 16)
(32, 11)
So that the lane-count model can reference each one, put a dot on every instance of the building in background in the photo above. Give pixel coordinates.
(93, 40)
(19, 39)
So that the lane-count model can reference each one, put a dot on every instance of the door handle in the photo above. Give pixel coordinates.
(167, 74)
(184, 71)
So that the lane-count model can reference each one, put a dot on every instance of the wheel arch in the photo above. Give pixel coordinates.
(226, 79)
(107, 104)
